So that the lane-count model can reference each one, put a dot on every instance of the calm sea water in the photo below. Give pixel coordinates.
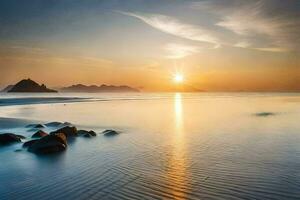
(171, 146)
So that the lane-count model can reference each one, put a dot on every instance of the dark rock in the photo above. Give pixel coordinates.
(87, 135)
(29, 143)
(35, 126)
(264, 114)
(32, 130)
(67, 124)
(8, 138)
(18, 150)
(84, 133)
(39, 133)
(69, 131)
(110, 132)
(21, 136)
(53, 124)
(30, 125)
(39, 126)
(49, 144)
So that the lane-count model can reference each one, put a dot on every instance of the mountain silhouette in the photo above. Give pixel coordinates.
(101, 88)
(28, 85)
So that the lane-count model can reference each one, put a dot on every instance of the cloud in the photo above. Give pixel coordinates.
(177, 51)
(175, 27)
(272, 49)
(243, 44)
(256, 21)
(250, 19)
(256, 25)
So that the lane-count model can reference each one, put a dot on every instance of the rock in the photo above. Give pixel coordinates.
(32, 130)
(264, 114)
(93, 133)
(53, 124)
(21, 136)
(86, 133)
(67, 124)
(39, 126)
(18, 150)
(69, 131)
(110, 132)
(49, 144)
(39, 133)
(8, 138)
(35, 126)
(30, 126)
(29, 143)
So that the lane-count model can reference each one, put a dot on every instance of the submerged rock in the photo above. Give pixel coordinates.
(29, 143)
(69, 131)
(57, 124)
(39, 134)
(35, 126)
(32, 130)
(85, 133)
(53, 124)
(9, 138)
(110, 133)
(67, 124)
(264, 114)
(49, 144)
(39, 126)
(30, 125)
(21, 136)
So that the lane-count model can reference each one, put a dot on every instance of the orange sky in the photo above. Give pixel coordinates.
(210, 44)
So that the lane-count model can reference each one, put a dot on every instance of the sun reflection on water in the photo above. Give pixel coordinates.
(178, 113)
(176, 172)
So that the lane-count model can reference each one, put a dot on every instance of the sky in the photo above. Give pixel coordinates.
(216, 45)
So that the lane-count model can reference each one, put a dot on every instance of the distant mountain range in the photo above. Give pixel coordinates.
(95, 88)
(28, 85)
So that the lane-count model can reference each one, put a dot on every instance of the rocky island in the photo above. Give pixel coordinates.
(28, 85)
(101, 88)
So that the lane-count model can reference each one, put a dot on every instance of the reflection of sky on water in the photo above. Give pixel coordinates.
(181, 146)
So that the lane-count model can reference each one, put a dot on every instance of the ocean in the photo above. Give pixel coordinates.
(170, 146)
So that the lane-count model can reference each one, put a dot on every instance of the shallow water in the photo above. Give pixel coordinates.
(172, 146)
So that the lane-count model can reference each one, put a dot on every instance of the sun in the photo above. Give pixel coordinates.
(178, 78)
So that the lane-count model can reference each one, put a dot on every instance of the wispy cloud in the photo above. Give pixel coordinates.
(272, 49)
(243, 44)
(175, 27)
(252, 19)
(253, 26)
(177, 51)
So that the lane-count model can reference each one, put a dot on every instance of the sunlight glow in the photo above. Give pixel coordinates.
(178, 78)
